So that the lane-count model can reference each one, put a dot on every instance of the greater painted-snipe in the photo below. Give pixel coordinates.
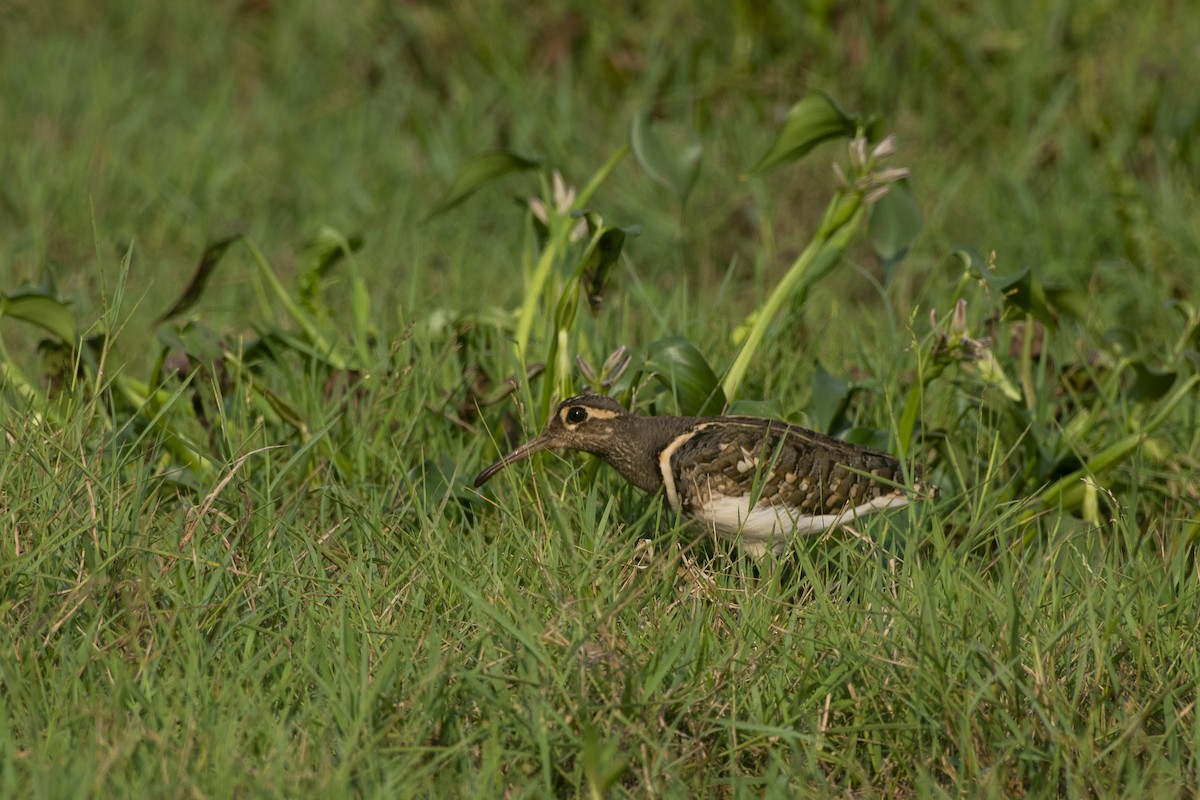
(748, 479)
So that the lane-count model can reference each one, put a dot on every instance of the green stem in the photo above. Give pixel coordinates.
(842, 220)
(601, 176)
(533, 292)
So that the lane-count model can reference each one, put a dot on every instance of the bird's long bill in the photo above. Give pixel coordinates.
(524, 451)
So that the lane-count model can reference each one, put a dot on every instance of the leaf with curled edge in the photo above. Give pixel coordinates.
(477, 173)
(195, 288)
(680, 367)
(810, 122)
(41, 306)
(673, 164)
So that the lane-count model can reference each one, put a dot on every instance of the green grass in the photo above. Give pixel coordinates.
(256, 568)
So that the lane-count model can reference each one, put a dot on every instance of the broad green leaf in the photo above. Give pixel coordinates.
(674, 165)
(1149, 383)
(867, 437)
(195, 289)
(830, 398)
(1069, 301)
(200, 344)
(158, 409)
(895, 221)
(43, 308)
(815, 119)
(478, 172)
(771, 409)
(1023, 291)
(682, 369)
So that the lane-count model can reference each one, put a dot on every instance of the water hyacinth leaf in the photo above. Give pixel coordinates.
(41, 307)
(831, 397)
(680, 367)
(1070, 302)
(867, 437)
(195, 288)
(478, 172)
(1150, 384)
(1024, 292)
(772, 409)
(815, 119)
(675, 165)
(893, 225)
(198, 344)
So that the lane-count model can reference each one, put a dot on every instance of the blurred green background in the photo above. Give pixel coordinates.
(1057, 133)
(263, 576)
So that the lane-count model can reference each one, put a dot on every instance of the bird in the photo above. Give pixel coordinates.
(751, 480)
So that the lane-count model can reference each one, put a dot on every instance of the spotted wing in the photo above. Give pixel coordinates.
(807, 472)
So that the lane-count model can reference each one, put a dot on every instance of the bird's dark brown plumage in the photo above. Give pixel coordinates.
(756, 479)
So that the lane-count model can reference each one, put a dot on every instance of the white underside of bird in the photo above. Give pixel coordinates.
(768, 527)
(764, 526)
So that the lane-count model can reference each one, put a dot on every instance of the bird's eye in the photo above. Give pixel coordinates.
(576, 414)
